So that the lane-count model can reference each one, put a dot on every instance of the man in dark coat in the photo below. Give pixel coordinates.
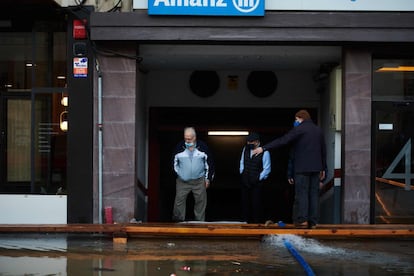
(309, 157)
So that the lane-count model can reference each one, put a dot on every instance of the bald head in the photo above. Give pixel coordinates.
(190, 136)
(190, 131)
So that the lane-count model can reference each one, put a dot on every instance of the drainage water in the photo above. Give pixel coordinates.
(61, 254)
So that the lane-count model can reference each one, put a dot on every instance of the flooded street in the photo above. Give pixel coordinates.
(62, 254)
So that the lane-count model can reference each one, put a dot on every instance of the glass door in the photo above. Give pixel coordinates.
(50, 126)
(33, 104)
(15, 145)
(394, 171)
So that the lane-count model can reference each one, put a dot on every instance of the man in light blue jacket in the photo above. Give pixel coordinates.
(194, 167)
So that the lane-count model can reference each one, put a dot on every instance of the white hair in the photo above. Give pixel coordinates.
(190, 130)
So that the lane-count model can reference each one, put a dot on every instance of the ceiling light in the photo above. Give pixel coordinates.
(61, 77)
(228, 133)
(397, 68)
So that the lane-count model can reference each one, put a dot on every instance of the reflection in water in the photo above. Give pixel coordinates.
(32, 266)
(96, 255)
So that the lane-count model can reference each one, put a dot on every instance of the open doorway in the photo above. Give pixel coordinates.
(166, 130)
(295, 77)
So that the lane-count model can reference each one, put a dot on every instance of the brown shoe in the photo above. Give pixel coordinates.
(301, 225)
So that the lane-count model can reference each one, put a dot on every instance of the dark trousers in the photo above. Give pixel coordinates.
(251, 201)
(306, 205)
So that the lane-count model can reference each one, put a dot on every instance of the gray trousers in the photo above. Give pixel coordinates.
(306, 205)
(183, 188)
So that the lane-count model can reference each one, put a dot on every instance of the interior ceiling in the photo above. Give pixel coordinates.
(240, 57)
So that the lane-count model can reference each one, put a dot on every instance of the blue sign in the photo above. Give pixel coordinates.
(207, 7)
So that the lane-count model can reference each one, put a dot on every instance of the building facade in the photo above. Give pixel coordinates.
(136, 74)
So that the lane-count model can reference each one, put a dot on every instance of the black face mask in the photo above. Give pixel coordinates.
(250, 146)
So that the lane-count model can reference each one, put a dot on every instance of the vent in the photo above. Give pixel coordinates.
(262, 83)
(204, 83)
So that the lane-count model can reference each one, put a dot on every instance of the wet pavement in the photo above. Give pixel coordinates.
(82, 254)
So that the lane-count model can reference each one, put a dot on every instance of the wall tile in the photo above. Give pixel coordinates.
(356, 136)
(119, 160)
(119, 184)
(118, 84)
(358, 84)
(356, 61)
(357, 163)
(118, 64)
(118, 110)
(357, 111)
(119, 135)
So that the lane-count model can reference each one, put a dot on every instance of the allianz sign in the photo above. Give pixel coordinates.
(207, 7)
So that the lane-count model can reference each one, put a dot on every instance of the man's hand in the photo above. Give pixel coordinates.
(321, 175)
(257, 151)
(207, 183)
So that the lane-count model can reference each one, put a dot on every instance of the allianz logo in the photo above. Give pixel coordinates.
(244, 6)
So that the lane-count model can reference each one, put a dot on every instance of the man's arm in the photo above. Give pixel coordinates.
(209, 162)
(266, 166)
(278, 142)
(241, 168)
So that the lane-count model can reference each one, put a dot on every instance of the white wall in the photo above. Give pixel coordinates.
(33, 209)
(171, 88)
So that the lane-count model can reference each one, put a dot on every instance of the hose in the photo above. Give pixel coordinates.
(299, 258)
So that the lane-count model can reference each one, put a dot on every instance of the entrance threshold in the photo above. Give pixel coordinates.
(211, 229)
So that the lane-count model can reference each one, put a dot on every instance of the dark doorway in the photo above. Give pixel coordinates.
(166, 130)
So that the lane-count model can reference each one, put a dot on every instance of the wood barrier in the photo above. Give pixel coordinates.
(121, 232)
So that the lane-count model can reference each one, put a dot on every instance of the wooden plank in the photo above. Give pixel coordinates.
(252, 232)
(216, 230)
(61, 228)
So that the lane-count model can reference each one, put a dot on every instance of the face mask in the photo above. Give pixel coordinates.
(250, 146)
(296, 123)
(189, 145)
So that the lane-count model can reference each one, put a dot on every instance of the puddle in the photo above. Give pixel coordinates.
(61, 254)
(354, 256)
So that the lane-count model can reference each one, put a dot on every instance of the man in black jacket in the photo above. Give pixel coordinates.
(309, 157)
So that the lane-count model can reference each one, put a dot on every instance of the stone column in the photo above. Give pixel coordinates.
(356, 149)
(119, 103)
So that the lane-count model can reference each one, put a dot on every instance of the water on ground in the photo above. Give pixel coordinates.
(80, 254)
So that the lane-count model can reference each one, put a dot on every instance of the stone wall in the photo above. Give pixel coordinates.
(357, 136)
(119, 101)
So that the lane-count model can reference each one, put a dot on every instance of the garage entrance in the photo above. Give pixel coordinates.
(227, 87)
